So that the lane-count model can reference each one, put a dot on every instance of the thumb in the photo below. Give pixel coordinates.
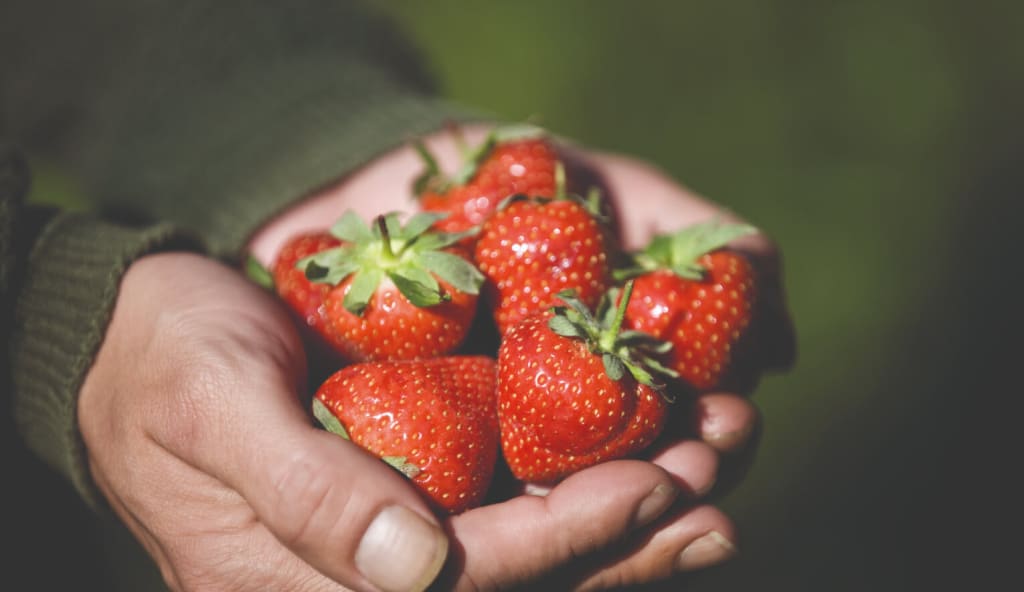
(334, 505)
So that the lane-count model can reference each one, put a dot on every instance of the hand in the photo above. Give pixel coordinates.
(197, 436)
(194, 420)
(647, 512)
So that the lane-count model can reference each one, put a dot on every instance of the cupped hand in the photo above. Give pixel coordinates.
(196, 431)
(197, 435)
(623, 522)
(194, 418)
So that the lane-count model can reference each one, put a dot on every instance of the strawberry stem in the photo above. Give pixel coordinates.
(560, 193)
(620, 350)
(431, 177)
(387, 253)
(611, 334)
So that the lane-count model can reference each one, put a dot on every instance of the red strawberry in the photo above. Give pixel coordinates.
(303, 297)
(434, 420)
(399, 292)
(515, 159)
(574, 391)
(533, 248)
(697, 295)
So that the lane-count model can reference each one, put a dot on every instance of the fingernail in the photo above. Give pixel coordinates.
(706, 551)
(401, 551)
(657, 501)
(537, 490)
(729, 441)
(707, 488)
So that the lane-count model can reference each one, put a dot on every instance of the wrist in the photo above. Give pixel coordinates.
(63, 308)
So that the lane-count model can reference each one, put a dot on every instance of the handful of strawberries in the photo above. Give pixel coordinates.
(588, 356)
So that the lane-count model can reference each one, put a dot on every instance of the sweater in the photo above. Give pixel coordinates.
(184, 125)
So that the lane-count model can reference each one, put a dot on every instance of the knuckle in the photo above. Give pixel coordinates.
(301, 490)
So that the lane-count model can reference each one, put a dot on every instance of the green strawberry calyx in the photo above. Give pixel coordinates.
(621, 350)
(434, 180)
(258, 273)
(681, 251)
(410, 255)
(333, 425)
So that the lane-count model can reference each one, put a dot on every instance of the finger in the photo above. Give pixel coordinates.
(335, 506)
(725, 421)
(686, 540)
(728, 427)
(722, 420)
(515, 542)
(692, 464)
(735, 464)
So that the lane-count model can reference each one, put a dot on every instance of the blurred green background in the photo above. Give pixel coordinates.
(881, 144)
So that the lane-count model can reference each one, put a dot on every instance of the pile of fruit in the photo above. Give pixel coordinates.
(591, 342)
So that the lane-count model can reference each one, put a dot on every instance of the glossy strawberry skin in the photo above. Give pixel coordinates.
(525, 166)
(392, 328)
(533, 249)
(702, 319)
(303, 297)
(439, 414)
(559, 411)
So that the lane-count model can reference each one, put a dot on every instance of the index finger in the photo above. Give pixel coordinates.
(611, 522)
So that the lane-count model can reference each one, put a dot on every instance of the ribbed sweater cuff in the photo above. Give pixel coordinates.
(61, 315)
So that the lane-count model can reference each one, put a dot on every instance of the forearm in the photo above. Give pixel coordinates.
(175, 119)
(60, 279)
(209, 115)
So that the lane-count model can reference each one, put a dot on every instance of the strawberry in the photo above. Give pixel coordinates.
(696, 294)
(396, 292)
(302, 296)
(512, 159)
(574, 391)
(434, 420)
(532, 248)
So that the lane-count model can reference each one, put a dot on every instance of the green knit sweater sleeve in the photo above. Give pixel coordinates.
(186, 124)
(60, 274)
(212, 115)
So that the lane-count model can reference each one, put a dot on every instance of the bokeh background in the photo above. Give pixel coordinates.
(882, 145)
